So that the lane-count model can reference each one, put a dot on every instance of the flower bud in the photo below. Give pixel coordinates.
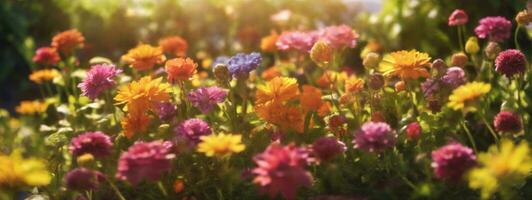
(371, 60)
(434, 105)
(459, 59)
(321, 53)
(471, 46)
(523, 18)
(492, 50)
(85, 159)
(400, 86)
(440, 66)
(376, 81)
(221, 73)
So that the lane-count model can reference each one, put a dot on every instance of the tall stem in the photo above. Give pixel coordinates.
(515, 37)
(462, 122)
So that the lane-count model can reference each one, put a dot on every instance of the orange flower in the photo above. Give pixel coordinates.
(321, 53)
(180, 69)
(31, 107)
(144, 57)
(267, 44)
(140, 96)
(174, 45)
(279, 89)
(67, 41)
(329, 79)
(134, 123)
(271, 73)
(179, 186)
(407, 65)
(286, 117)
(353, 84)
(44, 75)
(310, 98)
(325, 109)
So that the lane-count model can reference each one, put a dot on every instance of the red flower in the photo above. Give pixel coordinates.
(46, 56)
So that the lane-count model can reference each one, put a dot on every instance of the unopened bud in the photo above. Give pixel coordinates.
(492, 50)
(376, 81)
(471, 46)
(523, 18)
(222, 75)
(371, 60)
(459, 59)
(85, 159)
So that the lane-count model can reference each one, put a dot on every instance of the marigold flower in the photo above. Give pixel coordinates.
(511, 62)
(46, 56)
(329, 78)
(31, 107)
(15, 171)
(174, 45)
(134, 123)
(95, 143)
(284, 116)
(267, 44)
(43, 75)
(180, 69)
(465, 96)
(458, 17)
(143, 95)
(279, 89)
(310, 98)
(83, 179)
(144, 57)
(67, 41)
(452, 161)
(407, 65)
(507, 121)
(205, 98)
(99, 78)
(271, 73)
(353, 84)
(496, 29)
(221, 145)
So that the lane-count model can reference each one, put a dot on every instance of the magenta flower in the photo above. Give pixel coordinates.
(327, 147)
(374, 137)
(296, 40)
(281, 169)
(82, 179)
(145, 160)
(206, 98)
(510, 62)
(193, 129)
(496, 29)
(99, 78)
(454, 77)
(413, 131)
(46, 56)
(458, 18)
(430, 86)
(95, 143)
(339, 36)
(166, 111)
(507, 121)
(451, 161)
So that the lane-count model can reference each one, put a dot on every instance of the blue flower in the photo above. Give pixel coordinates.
(241, 64)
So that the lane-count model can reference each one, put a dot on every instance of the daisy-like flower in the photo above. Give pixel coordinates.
(511, 62)
(267, 44)
(452, 161)
(374, 137)
(174, 45)
(145, 94)
(67, 41)
(341, 36)
(46, 56)
(465, 96)
(407, 65)
(279, 89)
(193, 129)
(99, 78)
(134, 123)
(43, 75)
(180, 69)
(496, 29)
(221, 145)
(31, 107)
(205, 98)
(16, 171)
(144, 57)
(296, 40)
(282, 170)
(96, 143)
(83, 179)
(241, 64)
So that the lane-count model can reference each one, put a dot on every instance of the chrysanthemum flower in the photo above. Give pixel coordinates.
(296, 40)
(454, 77)
(511, 62)
(267, 44)
(144, 57)
(205, 98)
(145, 160)
(507, 121)
(341, 36)
(281, 170)
(496, 29)
(279, 89)
(43, 75)
(46, 56)
(374, 137)
(180, 69)
(67, 41)
(241, 64)
(31, 107)
(134, 123)
(457, 18)
(327, 147)
(452, 161)
(465, 96)
(95, 143)
(99, 78)
(174, 45)
(139, 96)
(83, 179)
(407, 65)
(221, 145)
(353, 84)
(193, 129)
(15, 171)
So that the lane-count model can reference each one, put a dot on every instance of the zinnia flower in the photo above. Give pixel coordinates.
(296, 40)
(452, 161)
(43, 75)
(145, 94)
(407, 65)
(67, 41)
(458, 18)
(99, 78)
(180, 69)
(193, 129)
(205, 98)
(454, 77)
(82, 179)
(327, 147)
(31, 107)
(241, 64)
(465, 96)
(174, 45)
(46, 56)
(511, 62)
(95, 143)
(221, 145)
(507, 121)
(145, 160)
(281, 170)
(15, 171)
(267, 44)
(144, 57)
(496, 29)
(339, 36)
(374, 137)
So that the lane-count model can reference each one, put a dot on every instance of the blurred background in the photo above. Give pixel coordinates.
(222, 27)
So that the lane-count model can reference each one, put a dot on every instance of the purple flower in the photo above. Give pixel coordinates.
(451, 161)
(296, 40)
(241, 64)
(339, 36)
(166, 111)
(99, 78)
(374, 137)
(145, 160)
(96, 143)
(205, 98)
(507, 121)
(430, 86)
(510, 62)
(496, 29)
(193, 129)
(82, 179)
(327, 147)
(454, 77)
(458, 17)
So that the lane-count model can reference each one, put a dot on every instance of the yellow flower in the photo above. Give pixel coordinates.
(142, 95)
(279, 89)
(406, 64)
(221, 145)
(144, 57)
(501, 168)
(16, 171)
(466, 95)
(41, 76)
(471, 46)
(353, 84)
(31, 107)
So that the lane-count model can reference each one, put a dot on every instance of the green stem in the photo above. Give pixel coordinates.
(115, 189)
(460, 41)
(515, 37)
(161, 187)
(489, 128)
(462, 122)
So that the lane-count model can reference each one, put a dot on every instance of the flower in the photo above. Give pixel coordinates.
(43, 75)
(523, 18)
(241, 64)
(452, 161)
(174, 45)
(46, 56)
(327, 147)
(98, 79)
(166, 111)
(16, 171)
(413, 131)
(466, 95)
(458, 18)
(145, 160)
(285, 116)
(376, 81)
(221, 145)
(310, 98)
(430, 87)
(82, 179)
(406, 64)
(496, 29)
(296, 40)
(471, 46)
(501, 168)
(145, 94)
(492, 50)
(279, 89)
(205, 98)
(144, 57)
(329, 78)
(193, 129)
(31, 107)
(507, 121)
(281, 169)
(459, 59)
(267, 44)
(371, 60)
(321, 53)
(95, 143)
(67, 41)
(341, 36)
(271, 73)
(134, 123)
(454, 77)
(374, 137)
(353, 84)
(510, 62)
(180, 69)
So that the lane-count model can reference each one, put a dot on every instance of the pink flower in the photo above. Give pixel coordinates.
(496, 29)
(99, 78)
(281, 169)
(145, 160)
(327, 147)
(507, 121)
(296, 40)
(458, 17)
(339, 36)
(192, 129)
(96, 143)
(510, 62)
(451, 161)
(374, 137)
(46, 56)
(205, 98)
(413, 131)
(82, 179)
